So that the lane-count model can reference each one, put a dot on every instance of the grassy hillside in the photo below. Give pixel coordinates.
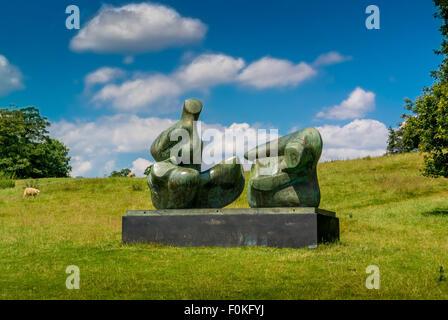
(390, 216)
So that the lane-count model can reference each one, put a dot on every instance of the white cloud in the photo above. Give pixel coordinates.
(96, 147)
(79, 166)
(358, 104)
(139, 93)
(135, 28)
(240, 138)
(358, 138)
(330, 58)
(109, 166)
(11, 78)
(112, 134)
(208, 70)
(202, 73)
(103, 75)
(349, 153)
(271, 72)
(139, 166)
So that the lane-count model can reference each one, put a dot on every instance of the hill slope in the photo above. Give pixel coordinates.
(390, 216)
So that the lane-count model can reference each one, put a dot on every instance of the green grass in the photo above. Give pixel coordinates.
(390, 216)
(6, 183)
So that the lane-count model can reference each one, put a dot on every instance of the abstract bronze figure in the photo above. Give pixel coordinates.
(282, 191)
(175, 179)
(289, 179)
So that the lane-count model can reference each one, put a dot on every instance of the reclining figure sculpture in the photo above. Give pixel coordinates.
(289, 179)
(178, 184)
(282, 176)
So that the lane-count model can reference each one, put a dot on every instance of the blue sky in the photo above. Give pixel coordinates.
(110, 87)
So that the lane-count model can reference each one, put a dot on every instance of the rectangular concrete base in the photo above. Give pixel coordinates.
(271, 227)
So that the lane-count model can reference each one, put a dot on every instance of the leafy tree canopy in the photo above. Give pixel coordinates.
(427, 125)
(26, 150)
(121, 173)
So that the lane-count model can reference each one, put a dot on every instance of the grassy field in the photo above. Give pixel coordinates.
(390, 216)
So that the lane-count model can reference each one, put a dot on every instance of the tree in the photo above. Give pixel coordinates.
(431, 122)
(408, 134)
(428, 125)
(121, 173)
(392, 142)
(404, 139)
(115, 174)
(26, 150)
(58, 153)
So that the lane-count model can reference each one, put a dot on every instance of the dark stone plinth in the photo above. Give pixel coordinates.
(271, 227)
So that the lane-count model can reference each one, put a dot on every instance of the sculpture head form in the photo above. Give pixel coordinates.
(163, 145)
(191, 110)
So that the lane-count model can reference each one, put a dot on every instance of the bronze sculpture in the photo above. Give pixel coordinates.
(284, 178)
(289, 179)
(176, 181)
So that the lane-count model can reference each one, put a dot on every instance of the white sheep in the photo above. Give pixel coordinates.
(31, 192)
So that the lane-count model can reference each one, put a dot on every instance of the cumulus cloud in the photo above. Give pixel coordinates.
(109, 166)
(79, 166)
(356, 139)
(271, 72)
(11, 78)
(208, 70)
(202, 73)
(96, 147)
(221, 142)
(357, 105)
(139, 166)
(330, 58)
(103, 75)
(136, 94)
(136, 28)
(120, 133)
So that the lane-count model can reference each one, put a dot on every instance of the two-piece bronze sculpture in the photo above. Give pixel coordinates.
(282, 191)
(288, 179)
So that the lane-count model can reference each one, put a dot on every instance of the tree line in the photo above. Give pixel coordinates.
(425, 126)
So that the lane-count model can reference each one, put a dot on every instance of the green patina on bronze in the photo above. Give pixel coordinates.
(164, 143)
(290, 178)
(284, 177)
(181, 185)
